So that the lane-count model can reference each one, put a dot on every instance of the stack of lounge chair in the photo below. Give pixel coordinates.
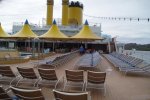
(89, 60)
(127, 63)
(62, 59)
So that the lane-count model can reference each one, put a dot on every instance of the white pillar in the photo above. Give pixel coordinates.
(109, 48)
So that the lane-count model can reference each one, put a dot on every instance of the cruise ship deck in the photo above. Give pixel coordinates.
(118, 85)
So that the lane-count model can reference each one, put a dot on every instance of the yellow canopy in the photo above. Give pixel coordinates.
(3, 34)
(54, 33)
(86, 34)
(25, 32)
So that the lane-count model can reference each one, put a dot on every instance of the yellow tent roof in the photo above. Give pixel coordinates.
(86, 34)
(3, 34)
(25, 32)
(54, 33)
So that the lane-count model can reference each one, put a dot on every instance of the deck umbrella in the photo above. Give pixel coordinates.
(54, 34)
(25, 33)
(86, 34)
(3, 34)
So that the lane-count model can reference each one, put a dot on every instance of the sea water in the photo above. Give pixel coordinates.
(145, 55)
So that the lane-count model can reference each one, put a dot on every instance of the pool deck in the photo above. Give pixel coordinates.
(118, 85)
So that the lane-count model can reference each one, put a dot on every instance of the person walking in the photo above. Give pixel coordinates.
(81, 50)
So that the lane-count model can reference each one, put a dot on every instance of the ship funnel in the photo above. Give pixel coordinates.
(49, 18)
(65, 6)
(75, 13)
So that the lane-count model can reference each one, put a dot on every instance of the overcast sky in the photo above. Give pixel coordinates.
(126, 31)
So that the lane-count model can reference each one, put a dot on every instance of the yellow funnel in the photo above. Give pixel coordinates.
(65, 6)
(75, 13)
(49, 19)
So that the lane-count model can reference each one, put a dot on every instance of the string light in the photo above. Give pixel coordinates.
(120, 18)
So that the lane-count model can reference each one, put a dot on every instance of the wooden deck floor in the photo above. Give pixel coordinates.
(118, 85)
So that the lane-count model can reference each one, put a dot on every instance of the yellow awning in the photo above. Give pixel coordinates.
(25, 32)
(54, 33)
(3, 34)
(86, 34)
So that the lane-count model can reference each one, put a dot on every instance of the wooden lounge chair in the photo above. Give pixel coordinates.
(3, 94)
(7, 74)
(96, 80)
(48, 77)
(46, 66)
(27, 94)
(70, 95)
(74, 78)
(28, 76)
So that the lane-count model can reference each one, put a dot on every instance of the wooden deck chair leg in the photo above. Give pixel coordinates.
(18, 81)
(14, 80)
(56, 84)
(35, 84)
(104, 89)
(125, 73)
(83, 86)
(64, 86)
(86, 86)
(39, 81)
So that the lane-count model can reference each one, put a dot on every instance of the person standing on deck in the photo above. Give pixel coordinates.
(81, 50)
